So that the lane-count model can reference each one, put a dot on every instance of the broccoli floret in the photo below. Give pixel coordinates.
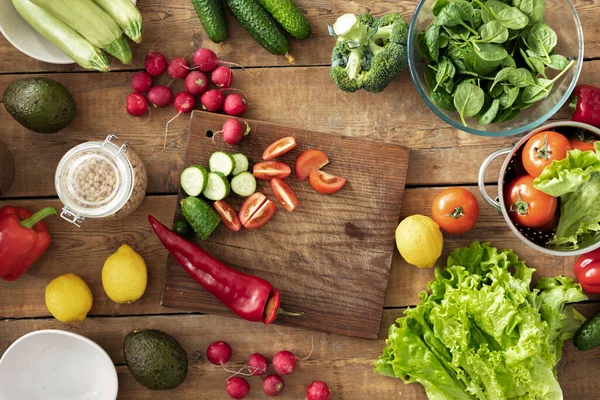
(369, 52)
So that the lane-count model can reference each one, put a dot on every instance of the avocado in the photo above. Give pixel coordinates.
(155, 359)
(39, 104)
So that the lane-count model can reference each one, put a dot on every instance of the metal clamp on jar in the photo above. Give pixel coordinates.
(100, 179)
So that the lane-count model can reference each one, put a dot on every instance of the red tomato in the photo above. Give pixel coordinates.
(455, 210)
(541, 149)
(228, 215)
(271, 169)
(278, 148)
(309, 160)
(284, 194)
(583, 145)
(526, 205)
(262, 215)
(325, 183)
(587, 271)
(250, 206)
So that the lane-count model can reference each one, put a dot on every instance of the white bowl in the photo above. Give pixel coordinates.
(57, 365)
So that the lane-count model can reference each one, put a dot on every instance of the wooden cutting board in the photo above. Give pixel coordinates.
(331, 257)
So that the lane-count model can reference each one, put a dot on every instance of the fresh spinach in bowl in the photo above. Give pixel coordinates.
(489, 59)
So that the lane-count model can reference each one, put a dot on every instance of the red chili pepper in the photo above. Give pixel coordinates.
(250, 297)
(585, 104)
(587, 271)
(23, 239)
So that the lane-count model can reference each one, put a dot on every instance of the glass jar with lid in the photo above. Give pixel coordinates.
(100, 179)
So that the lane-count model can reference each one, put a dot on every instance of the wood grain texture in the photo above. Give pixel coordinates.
(6, 168)
(331, 257)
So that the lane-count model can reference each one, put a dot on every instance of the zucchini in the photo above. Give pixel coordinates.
(221, 162)
(63, 36)
(193, 180)
(212, 18)
(241, 163)
(126, 14)
(257, 21)
(92, 23)
(289, 16)
(243, 184)
(588, 336)
(202, 218)
(217, 187)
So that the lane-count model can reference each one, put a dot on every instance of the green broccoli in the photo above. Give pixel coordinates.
(369, 52)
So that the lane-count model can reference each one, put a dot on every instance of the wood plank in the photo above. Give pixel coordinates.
(165, 20)
(344, 363)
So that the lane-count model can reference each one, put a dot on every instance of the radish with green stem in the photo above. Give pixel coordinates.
(136, 104)
(141, 81)
(284, 362)
(237, 388)
(178, 68)
(212, 100)
(160, 96)
(196, 82)
(273, 385)
(155, 64)
(235, 104)
(222, 77)
(318, 390)
(257, 364)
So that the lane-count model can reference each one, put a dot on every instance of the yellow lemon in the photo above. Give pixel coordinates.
(419, 241)
(68, 298)
(124, 276)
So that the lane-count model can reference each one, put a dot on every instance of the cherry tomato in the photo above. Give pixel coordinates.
(541, 149)
(284, 194)
(279, 148)
(262, 215)
(228, 215)
(325, 183)
(309, 160)
(582, 145)
(526, 205)
(455, 210)
(271, 169)
(250, 206)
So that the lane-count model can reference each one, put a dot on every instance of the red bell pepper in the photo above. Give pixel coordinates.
(24, 238)
(587, 271)
(585, 104)
(250, 297)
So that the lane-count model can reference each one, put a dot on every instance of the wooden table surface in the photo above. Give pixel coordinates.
(300, 95)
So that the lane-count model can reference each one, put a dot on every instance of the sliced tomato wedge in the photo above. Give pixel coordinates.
(250, 206)
(284, 194)
(228, 215)
(279, 148)
(309, 160)
(262, 215)
(271, 169)
(325, 183)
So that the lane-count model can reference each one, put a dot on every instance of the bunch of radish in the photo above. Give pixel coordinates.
(283, 362)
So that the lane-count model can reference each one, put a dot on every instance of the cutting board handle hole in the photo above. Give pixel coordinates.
(209, 134)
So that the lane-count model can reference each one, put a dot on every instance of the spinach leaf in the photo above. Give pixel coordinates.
(489, 115)
(508, 62)
(512, 18)
(521, 77)
(534, 9)
(541, 90)
(507, 99)
(422, 46)
(477, 19)
(542, 40)
(502, 76)
(506, 115)
(495, 91)
(465, 10)
(444, 40)
(493, 32)
(490, 52)
(445, 71)
(429, 76)
(455, 14)
(432, 41)
(535, 64)
(437, 6)
(478, 65)
(468, 100)
(557, 62)
(443, 99)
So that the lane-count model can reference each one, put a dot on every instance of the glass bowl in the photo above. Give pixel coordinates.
(561, 16)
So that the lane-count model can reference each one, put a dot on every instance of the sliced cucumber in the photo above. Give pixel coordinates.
(243, 184)
(241, 163)
(217, 187)
(193, 180)
(221, 162)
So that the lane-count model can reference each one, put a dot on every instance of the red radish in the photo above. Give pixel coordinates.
(235, 104)
(318, 390)
(237, 388)
(141, 81)
(284, 362)
(273, 385)
(155, 64)
(178, 68)
(258, 364)
(137, 104)
(205, 59)
(184, 102)
(212, 100)
(160, 96)
(218, 353)
(234, 131)
(196, 83)
(222, 76)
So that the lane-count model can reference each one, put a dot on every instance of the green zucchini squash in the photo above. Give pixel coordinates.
(126, 15)
(212, 18)
(289, 16)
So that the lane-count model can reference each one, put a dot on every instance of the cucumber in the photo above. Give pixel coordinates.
(201, 216)
(221, 162)
(289, 16)
(241, 163)
(212, 18)
(588, 336)
(217, 187)
(257, 21)
(243, 184)
(182, 228)
(193, 180)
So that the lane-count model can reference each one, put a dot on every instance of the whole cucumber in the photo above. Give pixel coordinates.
(202, 217)
(289, 16)
(259, 24)
(212, 18)
(588, 336)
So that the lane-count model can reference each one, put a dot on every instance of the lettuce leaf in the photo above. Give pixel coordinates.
(480, 332)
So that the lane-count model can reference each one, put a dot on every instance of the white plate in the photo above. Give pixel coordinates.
(57, 365)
